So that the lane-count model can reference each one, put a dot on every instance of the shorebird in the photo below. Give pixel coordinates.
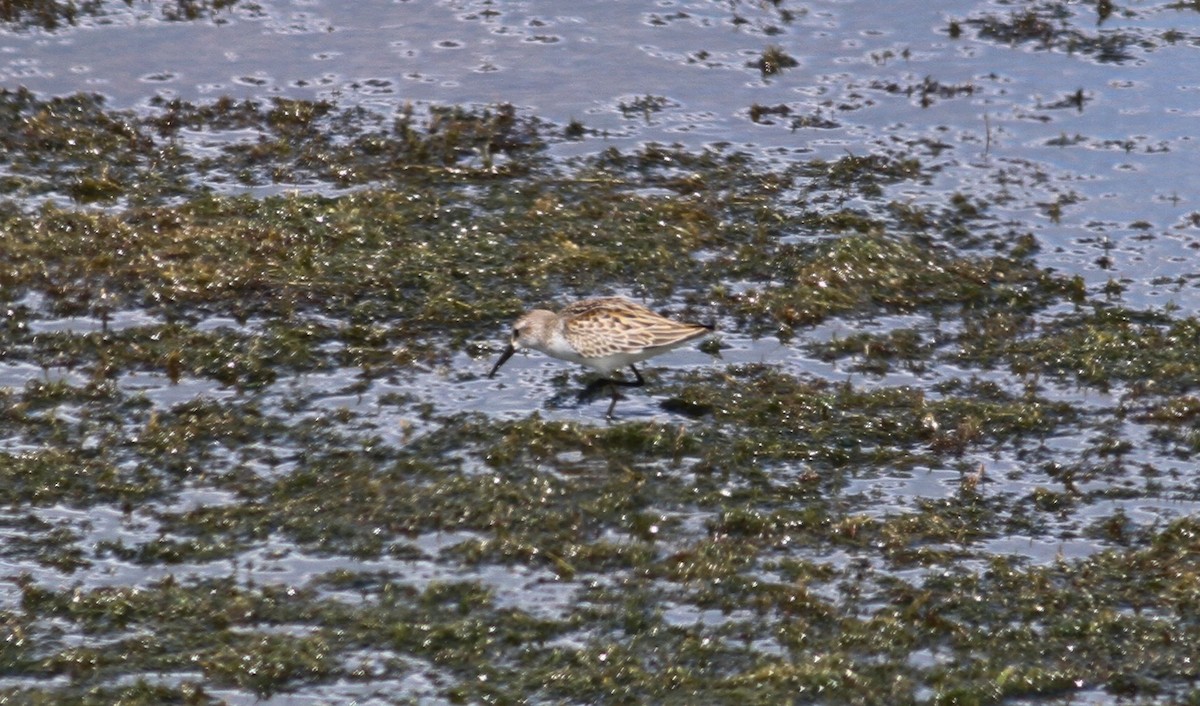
(605, 334)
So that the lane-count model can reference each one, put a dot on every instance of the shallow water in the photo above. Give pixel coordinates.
(1108, 188)
(1123, 163)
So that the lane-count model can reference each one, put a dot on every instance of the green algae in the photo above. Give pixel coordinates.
(778, 416)
(37, 478)
(1114, 345)
(773, 60)
(1110, 34)
(76, 147)
(876, 273)
(52, 15)
(1000, 623)
(296, 253)
(140, 693)
(877, 354)
(742, 553)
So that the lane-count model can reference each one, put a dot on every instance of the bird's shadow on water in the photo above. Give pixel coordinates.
(583, 398)
(590, 400)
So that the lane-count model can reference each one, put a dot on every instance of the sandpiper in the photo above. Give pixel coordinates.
(606, 333)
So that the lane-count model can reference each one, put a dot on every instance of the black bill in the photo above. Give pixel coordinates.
(508, 352)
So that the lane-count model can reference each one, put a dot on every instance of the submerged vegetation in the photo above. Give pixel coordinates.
(54, 14)
(190, 335)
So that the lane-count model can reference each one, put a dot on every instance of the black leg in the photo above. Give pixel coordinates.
(612, 405)
(612, 385)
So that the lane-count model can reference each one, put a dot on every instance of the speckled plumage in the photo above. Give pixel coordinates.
(605, 333)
